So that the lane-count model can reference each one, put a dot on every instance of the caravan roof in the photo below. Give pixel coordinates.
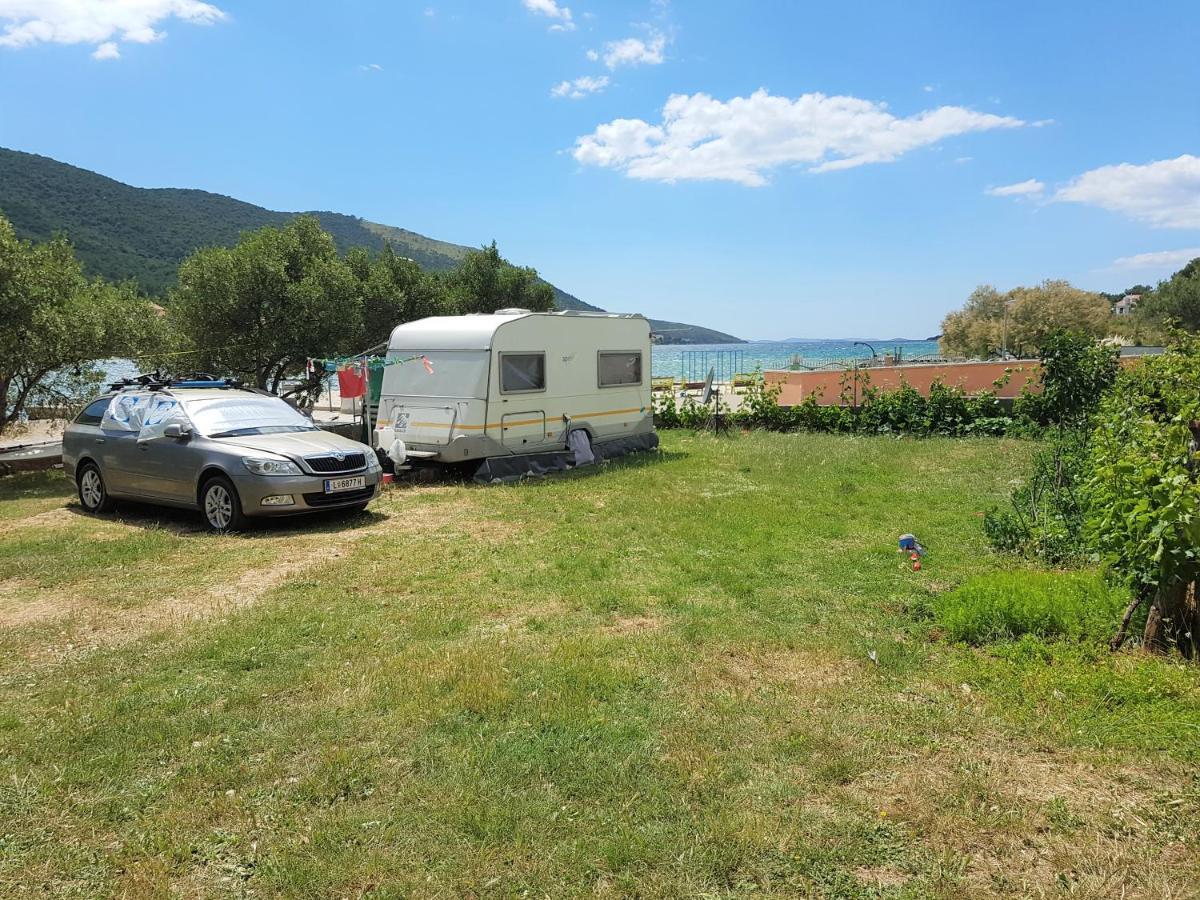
(473, 332)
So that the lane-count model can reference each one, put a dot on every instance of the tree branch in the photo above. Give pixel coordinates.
(1123, 632)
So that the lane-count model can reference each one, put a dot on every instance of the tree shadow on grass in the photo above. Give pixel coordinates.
(186, 522)
(35, 485)
(642, 460)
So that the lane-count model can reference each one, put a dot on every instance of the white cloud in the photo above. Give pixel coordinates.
(740, 140)
(99, 22)
(633, 52)
(1165, 193)
(552, 10)
(928, 89)
(371, 67)
(1160, 259)
(580, 87)
(1030, 188)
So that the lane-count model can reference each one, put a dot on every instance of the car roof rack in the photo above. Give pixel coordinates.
(154, 381)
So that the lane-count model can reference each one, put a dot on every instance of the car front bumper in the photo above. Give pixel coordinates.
(307, 493)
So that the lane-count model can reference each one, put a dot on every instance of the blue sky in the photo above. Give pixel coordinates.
(824, 170)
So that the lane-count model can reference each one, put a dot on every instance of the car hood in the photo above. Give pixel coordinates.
(294, 444)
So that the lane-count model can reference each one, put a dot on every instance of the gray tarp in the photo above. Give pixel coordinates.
(503, 469)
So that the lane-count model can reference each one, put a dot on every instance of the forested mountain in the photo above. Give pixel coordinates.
(123, 232)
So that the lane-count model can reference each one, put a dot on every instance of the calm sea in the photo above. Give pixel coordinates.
(692, 361)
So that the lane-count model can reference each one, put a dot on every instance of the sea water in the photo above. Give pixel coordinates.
(691, 361)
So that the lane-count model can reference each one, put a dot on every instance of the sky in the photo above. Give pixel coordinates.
(770, 169)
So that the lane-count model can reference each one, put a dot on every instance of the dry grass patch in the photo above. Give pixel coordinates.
(1035, 822)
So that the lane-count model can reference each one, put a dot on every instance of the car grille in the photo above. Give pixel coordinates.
(342, 497)
(323, 464)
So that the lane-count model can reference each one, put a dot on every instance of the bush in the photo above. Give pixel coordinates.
(1007, 605)
(1046, 517)
(947, 410)
(671, 414)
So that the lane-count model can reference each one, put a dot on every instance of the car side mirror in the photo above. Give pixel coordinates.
(176, 431)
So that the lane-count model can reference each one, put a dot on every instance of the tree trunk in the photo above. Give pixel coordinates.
(1174, 620)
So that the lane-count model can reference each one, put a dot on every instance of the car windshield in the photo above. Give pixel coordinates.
(217, 417)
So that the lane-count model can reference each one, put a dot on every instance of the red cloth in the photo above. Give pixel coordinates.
(351, 382)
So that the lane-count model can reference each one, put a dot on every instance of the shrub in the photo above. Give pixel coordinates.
(1143, 491)
(1047, 513)
(669, 413)
(760, 406)
(1007, 605)
(1046, 516)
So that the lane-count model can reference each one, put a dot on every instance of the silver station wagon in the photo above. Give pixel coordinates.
(227, 452)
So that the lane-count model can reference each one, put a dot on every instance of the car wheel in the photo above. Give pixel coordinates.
(220, 505)
(93, 496)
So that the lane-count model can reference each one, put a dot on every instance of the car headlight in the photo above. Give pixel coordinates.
(270, 466)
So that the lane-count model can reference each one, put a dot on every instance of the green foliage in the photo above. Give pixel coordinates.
(1175, 301)
(1023, 319)
(1076, 371)
(760, 406)
(1002, 606)
(685, 413)
(259, 309)
(484, 282)
(904, 411)
(392, 290)
(1143, 492)
(1047, 513)
(56, 322)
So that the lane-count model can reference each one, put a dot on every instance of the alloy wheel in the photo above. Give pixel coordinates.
(91, 489)
(218, 507)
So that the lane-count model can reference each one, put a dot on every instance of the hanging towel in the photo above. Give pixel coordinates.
(351, 382)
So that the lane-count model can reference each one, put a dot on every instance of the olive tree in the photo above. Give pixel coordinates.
(260, 309)
(55, 323)
(485, 281)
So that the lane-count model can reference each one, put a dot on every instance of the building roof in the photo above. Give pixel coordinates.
(473, 332)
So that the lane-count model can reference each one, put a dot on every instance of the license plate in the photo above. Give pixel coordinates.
(335, 485)
(402, 421)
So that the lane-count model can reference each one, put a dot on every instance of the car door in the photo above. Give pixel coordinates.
(167, 467)
(117, 446)
(116, 450)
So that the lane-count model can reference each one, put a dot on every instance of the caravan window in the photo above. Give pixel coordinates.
(620, 369)
(522, 372)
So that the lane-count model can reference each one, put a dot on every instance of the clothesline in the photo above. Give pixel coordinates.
(352, 371)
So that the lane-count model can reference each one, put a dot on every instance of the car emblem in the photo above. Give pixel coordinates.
(339, 455)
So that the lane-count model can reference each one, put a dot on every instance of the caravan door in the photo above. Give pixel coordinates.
(523, 429)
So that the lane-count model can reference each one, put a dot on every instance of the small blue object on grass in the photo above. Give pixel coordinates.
(909, 544)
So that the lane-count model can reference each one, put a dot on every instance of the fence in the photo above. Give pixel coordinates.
(694, 364)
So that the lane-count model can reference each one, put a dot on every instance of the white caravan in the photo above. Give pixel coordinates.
(517, 391)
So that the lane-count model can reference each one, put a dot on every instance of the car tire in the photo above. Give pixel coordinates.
(220, 506)
(93, 495)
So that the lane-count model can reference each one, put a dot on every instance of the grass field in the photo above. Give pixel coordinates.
(705, 673)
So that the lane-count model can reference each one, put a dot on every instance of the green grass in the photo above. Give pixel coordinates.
(1003, 606)
(652, 680)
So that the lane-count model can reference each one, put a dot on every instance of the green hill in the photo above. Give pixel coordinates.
(123, 232)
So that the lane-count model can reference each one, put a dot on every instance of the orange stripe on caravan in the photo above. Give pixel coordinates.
(587, 415)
